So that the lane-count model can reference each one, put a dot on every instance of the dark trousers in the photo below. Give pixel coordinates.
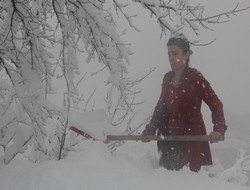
(171, 155)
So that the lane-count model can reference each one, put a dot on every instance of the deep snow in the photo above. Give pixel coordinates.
(133, 166)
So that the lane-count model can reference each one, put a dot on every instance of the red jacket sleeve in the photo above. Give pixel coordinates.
(208, 95)
(159, 116)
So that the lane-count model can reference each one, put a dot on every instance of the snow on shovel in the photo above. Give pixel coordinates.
(94, 124)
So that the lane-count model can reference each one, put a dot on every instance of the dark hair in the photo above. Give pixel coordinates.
(182, 42)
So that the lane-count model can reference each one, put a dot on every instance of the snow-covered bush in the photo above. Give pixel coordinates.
(15, 129)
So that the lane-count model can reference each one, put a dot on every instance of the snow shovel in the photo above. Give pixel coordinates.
(147, 138)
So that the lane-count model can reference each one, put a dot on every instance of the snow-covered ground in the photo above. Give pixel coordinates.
(132, 166)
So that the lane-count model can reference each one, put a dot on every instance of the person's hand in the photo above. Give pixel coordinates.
(215, 137)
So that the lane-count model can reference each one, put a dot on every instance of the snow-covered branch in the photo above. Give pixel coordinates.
(221, 17)
(176, 15)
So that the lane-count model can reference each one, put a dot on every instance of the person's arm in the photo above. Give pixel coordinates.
(211, 99)
(160, 112)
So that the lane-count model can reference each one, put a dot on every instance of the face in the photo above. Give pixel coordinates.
(177, 57)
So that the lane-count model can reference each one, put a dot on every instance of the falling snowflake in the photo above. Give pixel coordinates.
(203, 85)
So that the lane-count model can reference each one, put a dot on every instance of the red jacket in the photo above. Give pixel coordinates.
(178, 112)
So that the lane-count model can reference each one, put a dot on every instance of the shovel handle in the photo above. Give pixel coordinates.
(159, 138)
(148, 137)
